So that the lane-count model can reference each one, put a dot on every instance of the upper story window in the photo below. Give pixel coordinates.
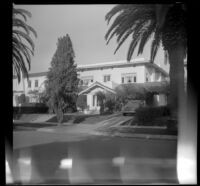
(86, 80)
(36, 83)
(106, 78)
(129, 78)
(29, 83)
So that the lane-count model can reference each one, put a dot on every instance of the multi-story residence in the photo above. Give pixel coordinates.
(100, 77)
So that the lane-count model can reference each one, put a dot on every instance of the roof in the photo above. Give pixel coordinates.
(37, 74)
(95, 85)
(119, 64)
(112, 64)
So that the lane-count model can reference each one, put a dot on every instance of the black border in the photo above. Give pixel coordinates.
(193, 57)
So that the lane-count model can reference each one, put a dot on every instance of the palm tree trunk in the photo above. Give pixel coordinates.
(176, 73)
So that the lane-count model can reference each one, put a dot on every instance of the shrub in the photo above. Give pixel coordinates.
(33, 105)
(148, 114)
(29, 110)
(79, 119)
(110, 104)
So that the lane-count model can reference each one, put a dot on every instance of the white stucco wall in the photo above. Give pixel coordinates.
(116, 74)
(19, 86)
(154, 75)
(23, 86)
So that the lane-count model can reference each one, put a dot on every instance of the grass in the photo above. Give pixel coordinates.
(131, 130)
(82, 119)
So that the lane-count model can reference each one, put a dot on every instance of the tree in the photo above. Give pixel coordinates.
(62, 81)
(23, 46)
(110, 103)
(167, 25)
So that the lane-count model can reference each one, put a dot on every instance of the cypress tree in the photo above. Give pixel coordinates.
(62, 80)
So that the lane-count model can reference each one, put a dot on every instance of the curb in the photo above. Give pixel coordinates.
(143, 136)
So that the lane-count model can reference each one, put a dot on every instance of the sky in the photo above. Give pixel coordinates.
(86, 27)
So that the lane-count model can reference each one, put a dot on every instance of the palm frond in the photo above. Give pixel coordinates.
(122, 40)
(114, 11)
(20, 24)
(146, 36)
(122, 17)
(22, 12)
(137, 35)
(25, 36)
(155, 45)
(20, 63)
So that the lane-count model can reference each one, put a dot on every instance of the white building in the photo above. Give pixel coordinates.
(101, 76)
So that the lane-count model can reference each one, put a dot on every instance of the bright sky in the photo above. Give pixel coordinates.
(86, 27)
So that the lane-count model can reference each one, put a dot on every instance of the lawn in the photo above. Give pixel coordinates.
(82, 119)
(141, 130)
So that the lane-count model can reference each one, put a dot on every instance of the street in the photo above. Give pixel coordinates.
(72, 157)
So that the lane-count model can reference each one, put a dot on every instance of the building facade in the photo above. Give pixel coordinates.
(99, 77)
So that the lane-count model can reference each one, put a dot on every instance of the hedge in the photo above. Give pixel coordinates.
(148, 114)
(29, 110)
(34, 105)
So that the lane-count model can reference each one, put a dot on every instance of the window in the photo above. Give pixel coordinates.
(106, 78)
(36, 83)
(86, 80)
(129, 78)
(29, 83)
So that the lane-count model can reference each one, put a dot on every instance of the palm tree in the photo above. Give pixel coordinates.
(166, 24)
(22, 43)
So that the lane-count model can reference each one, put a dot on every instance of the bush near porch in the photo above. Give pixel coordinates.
(152, 116)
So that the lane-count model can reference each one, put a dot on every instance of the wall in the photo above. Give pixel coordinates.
(23, 86)
(155, 75)
(115, 73)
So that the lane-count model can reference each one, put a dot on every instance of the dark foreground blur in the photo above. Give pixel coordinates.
(95, 161)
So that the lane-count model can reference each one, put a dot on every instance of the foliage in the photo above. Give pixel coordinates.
(34, 105)
(130, 92)
(82, 102)
(22, 99)
(62, 81)
(23, 46)
(148, 114)
(164, 24)
(101, 100)
(43, 97)
(79, 119)
(107, 102)
(29, 110)
(110, 102)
